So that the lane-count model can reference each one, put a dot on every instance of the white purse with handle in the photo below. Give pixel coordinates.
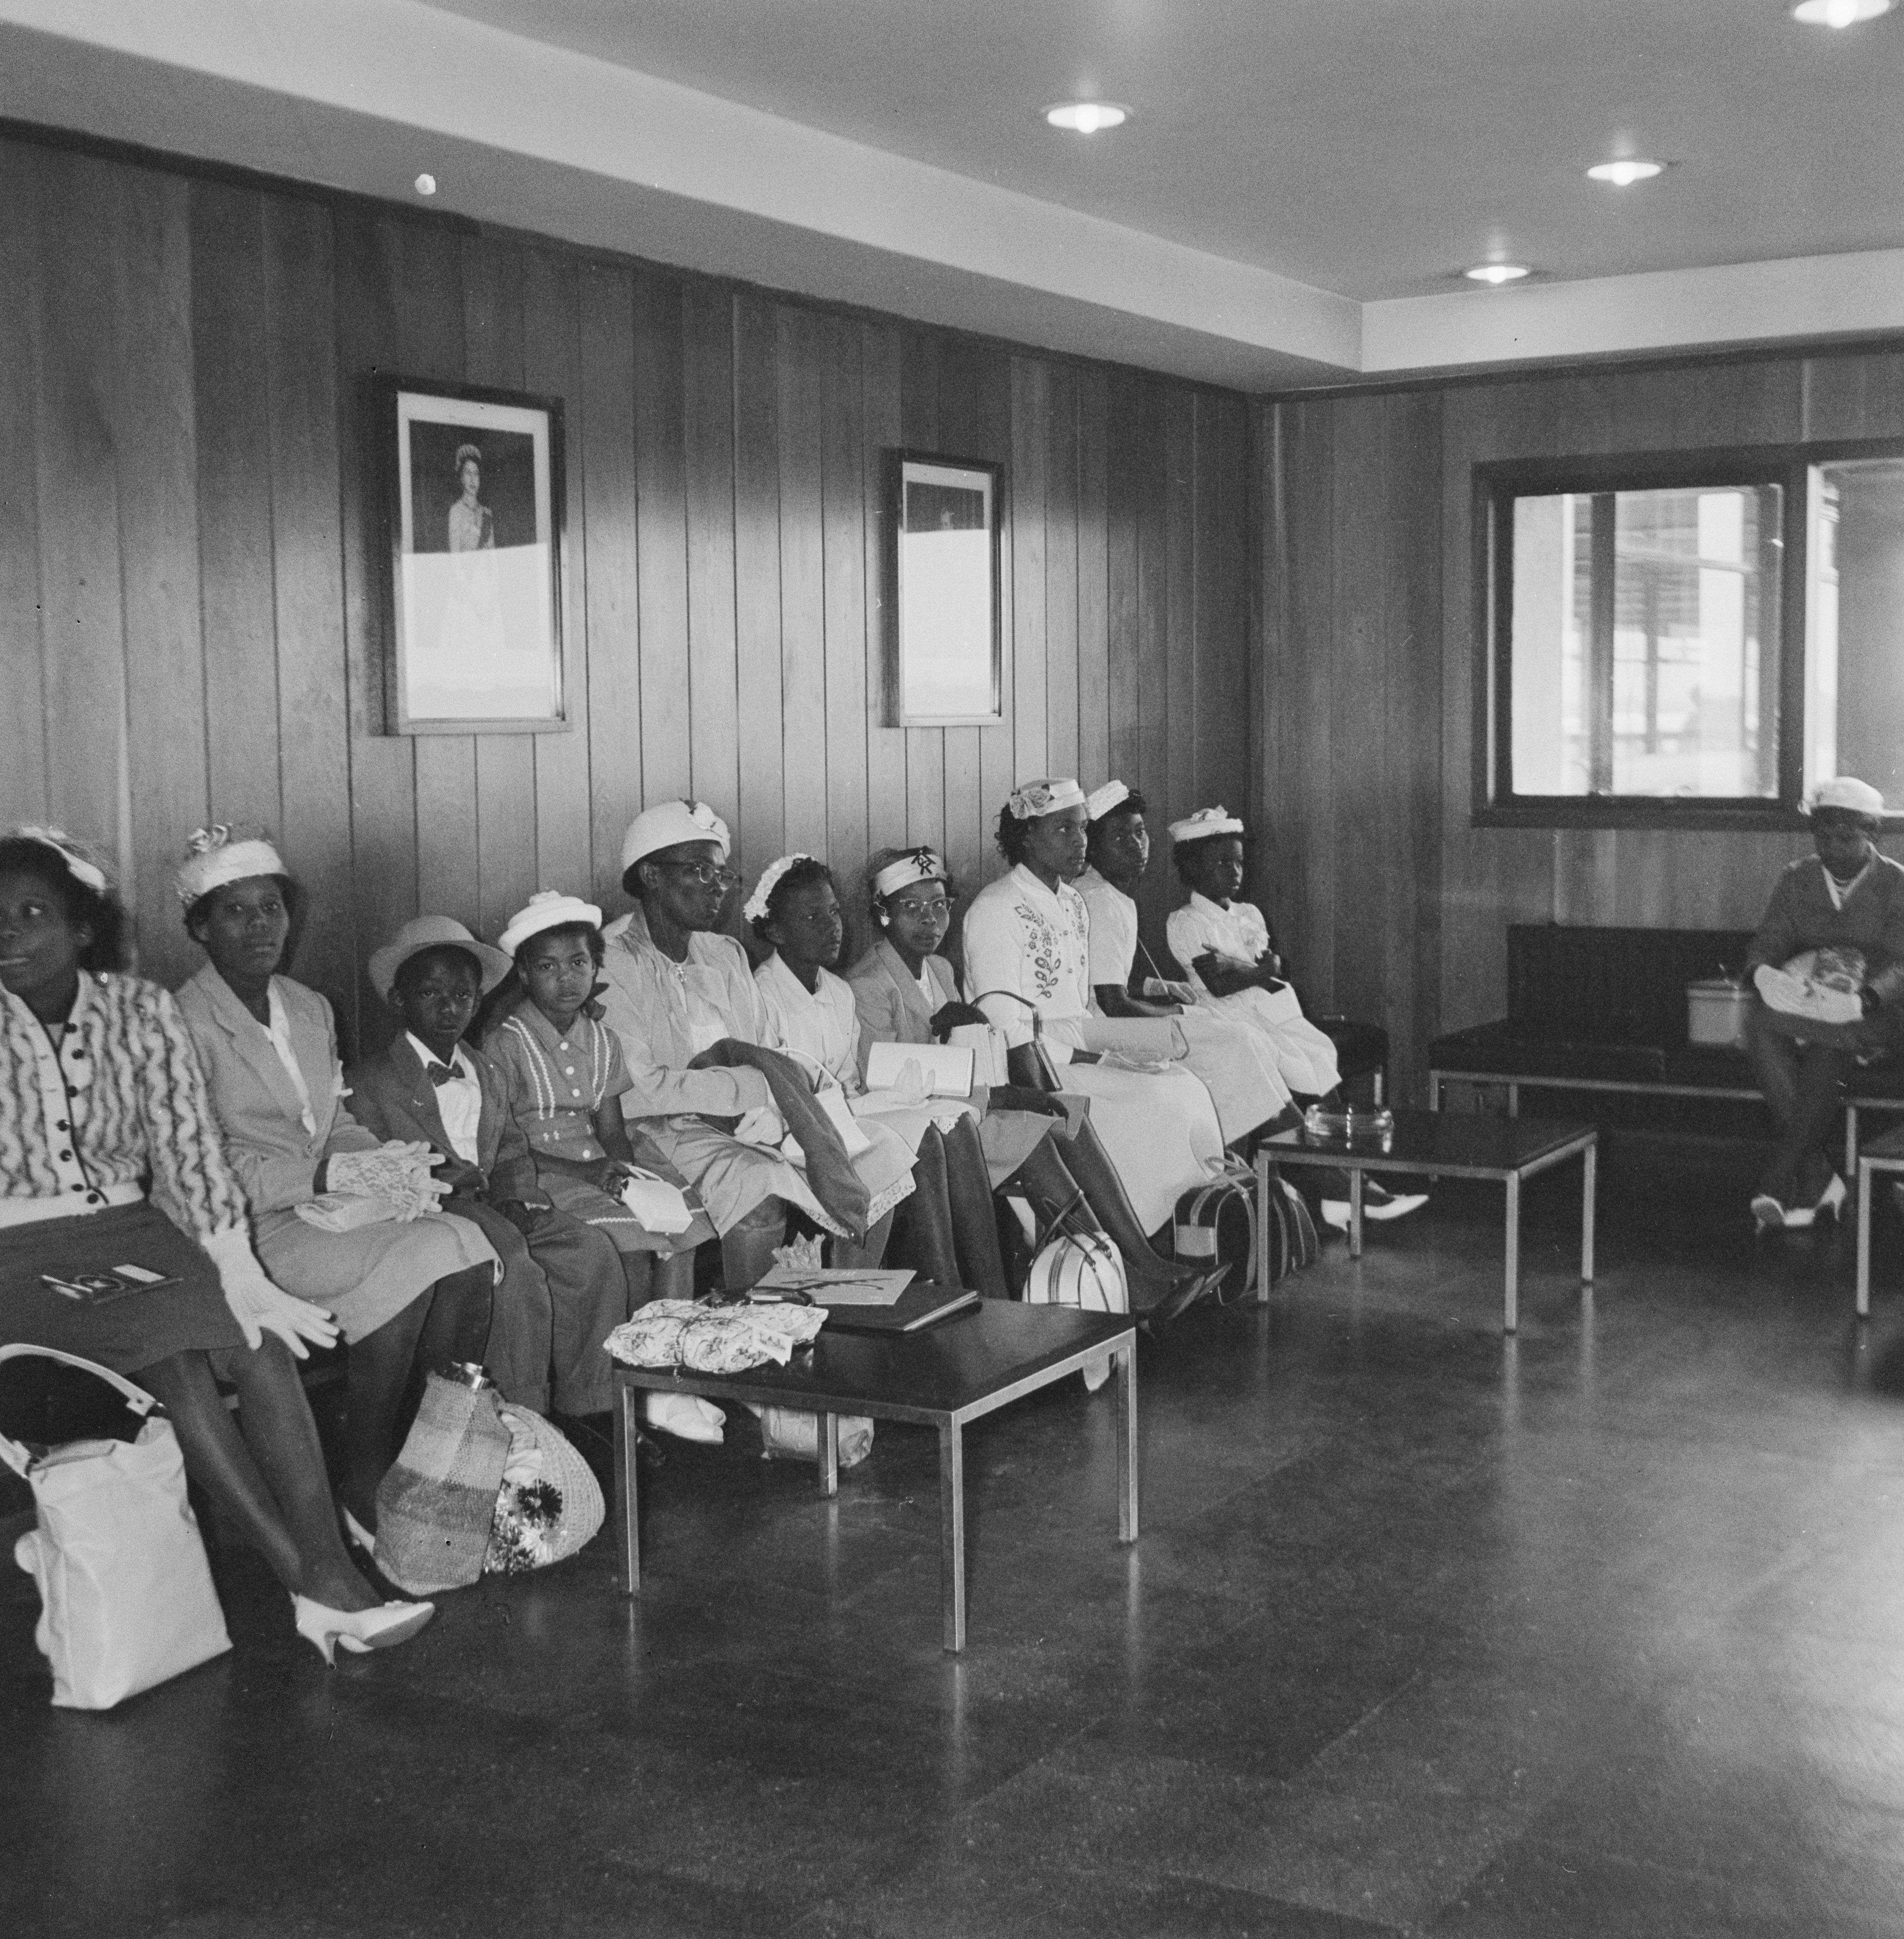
(126, 1594)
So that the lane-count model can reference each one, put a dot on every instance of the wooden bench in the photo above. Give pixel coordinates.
(1594, 1009)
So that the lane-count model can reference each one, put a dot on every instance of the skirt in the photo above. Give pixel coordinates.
(1238, 1066)
(569, 1191)
(1305, 1058)
(136, 1328)
(731, 1179)
(1160, 1129)
(365, 1278)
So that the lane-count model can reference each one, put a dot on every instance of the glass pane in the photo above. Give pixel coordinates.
(1645, 643)
(1854, 659)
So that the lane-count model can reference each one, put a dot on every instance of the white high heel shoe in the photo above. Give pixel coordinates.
(358, 1630)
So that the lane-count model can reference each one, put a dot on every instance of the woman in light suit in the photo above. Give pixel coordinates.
(406, 1289)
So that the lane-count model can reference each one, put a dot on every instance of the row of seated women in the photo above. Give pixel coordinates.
(508, 1189)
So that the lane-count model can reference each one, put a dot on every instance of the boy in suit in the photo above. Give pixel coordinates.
(562, 1291)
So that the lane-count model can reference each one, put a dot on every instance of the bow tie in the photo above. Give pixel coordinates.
(441, 1074)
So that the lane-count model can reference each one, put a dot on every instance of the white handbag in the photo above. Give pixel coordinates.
(126, 1594)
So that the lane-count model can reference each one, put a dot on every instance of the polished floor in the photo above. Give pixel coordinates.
(1599, 1631)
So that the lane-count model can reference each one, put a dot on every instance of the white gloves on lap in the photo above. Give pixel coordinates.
(259, 1306)
(398, 1172)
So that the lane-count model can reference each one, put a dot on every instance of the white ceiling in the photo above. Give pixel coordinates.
(1300, 185)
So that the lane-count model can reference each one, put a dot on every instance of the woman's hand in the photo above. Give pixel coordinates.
(259, 1306)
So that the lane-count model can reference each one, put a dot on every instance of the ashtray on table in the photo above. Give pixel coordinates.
(1372, 1130)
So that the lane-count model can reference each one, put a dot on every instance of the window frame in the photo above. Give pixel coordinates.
(1497, 483)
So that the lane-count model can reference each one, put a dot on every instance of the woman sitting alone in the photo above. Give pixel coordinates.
(1827, 966)
(1027, 954)
(905, 992)
(412, 1289)
(946, 1230)
(102, 1092)
(1236, 1065)
(719, 1102)
(1223, 946)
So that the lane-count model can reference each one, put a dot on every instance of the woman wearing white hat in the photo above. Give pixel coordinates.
(1027, 938)
(1828, 965)
(713, 1092)
(410, 1287)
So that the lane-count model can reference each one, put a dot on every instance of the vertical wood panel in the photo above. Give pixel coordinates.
(762, 801)
(880, 380)
(1030, 412)
(1094, 755)
(313, 726)
(382, 766)
(713, 671)
(925, 746)
(660, 479)
(611, 592)
(83, 632)
(155, 434)
(1125, 467)
(843, 528)
(23, 795)
(1063, 753)
(801, 375)
(564, 849)
(238, 609)
(997, 772)
(504, 836)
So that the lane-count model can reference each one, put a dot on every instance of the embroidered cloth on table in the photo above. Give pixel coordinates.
(705, 1339)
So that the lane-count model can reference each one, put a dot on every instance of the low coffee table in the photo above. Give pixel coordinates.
(1884, 1154)
(1508, 1148)
(944, 1376)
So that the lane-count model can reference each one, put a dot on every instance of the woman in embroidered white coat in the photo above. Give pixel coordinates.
(1028, 952)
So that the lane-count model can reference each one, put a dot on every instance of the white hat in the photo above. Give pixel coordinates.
(1101, 800)
(434, 931)
(219, 854)
(1853, 797)
(667, 825)
(920, 865)
(1204, 823)
(1041, 798)
(78, 863)
(549, 908)
(755, 909)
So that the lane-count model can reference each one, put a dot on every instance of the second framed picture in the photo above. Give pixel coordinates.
(472, 485)
(944, 637)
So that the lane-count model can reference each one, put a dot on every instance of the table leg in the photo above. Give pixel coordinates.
(951, 1532)
(1261, 1228)
(1126, 1360)
(828, 1439)
(1513, 1101)
(628, 1532)
(1511, 1306)
(1355, 1212)
(1867, 1178)
(1589, 1168)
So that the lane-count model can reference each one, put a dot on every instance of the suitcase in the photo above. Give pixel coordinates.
(1215, 1224)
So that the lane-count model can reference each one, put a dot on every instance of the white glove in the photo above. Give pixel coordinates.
(400, 1172)
(763, 1125)
(259, 1306)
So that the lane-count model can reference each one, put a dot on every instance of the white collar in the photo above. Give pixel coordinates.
(1026, 879)
(1199, 900)
(425, 1056)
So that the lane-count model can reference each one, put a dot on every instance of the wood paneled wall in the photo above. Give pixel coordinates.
(1390, 902)
(190, 552)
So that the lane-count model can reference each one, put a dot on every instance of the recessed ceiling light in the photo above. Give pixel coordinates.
(1498, 273)
(1625, 173)
(1839, 13)
(1086, 117)
(426, 184)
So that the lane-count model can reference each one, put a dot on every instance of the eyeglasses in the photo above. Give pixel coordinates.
(916, 911)
(708, 874)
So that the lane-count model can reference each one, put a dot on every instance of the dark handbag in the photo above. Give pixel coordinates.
(1215, 1226)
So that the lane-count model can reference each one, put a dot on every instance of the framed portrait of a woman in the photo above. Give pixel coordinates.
(474, 512)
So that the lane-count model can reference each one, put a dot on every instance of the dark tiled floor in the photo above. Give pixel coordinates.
(1599, 1631)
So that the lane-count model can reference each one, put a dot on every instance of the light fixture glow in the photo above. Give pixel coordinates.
(1839, 13)
(1498, 273)
(426, 184)
(1625, 173)
(1086, 117)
